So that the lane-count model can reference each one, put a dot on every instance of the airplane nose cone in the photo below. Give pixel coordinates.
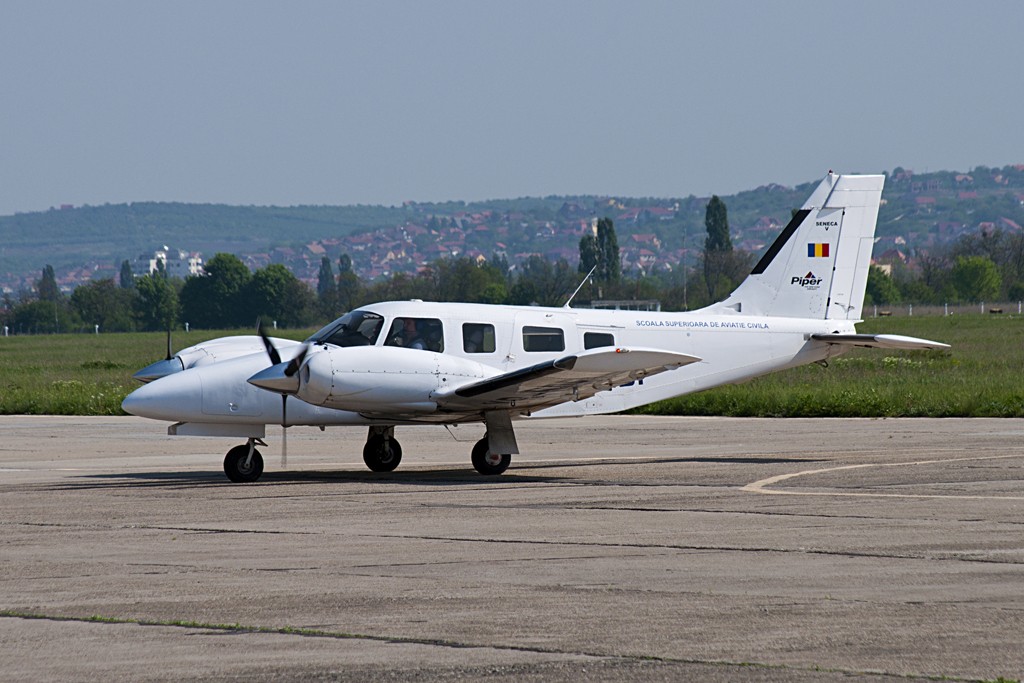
(174, 397)
(274, 379)
(159, 369)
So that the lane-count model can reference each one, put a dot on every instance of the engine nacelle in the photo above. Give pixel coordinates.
(383, 378)
(211, 352)
(226, 348)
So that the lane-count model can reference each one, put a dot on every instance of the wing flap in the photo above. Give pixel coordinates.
(881, 341)
(569, 378)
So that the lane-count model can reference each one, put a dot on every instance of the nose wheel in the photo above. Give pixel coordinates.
(382, 452)
(244, 464)
(488, 463)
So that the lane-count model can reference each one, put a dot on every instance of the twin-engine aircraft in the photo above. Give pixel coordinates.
(414, 362)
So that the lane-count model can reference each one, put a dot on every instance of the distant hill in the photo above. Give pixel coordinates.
(919, 212)
(103, 236)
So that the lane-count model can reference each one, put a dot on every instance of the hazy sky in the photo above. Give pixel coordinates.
(379, 102)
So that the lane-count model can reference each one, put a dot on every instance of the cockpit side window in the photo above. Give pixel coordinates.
(356, 328)
(478, 338)
(416, 333)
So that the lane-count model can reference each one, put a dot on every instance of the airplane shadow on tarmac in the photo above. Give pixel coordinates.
(216, 478)
(516, 475)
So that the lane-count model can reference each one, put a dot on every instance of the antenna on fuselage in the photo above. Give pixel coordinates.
(585, 278)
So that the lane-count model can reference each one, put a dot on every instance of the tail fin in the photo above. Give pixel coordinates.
(818, 266)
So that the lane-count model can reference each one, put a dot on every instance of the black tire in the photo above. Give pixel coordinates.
(382, 455)
(234, 465)
(488, 463)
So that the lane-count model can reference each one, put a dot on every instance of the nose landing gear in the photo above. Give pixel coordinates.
(382, 452)
(244, 464)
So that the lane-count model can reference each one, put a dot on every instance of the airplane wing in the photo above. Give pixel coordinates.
(880, 341)
(569, 378)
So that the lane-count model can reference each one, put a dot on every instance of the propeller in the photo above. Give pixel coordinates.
(275, 357)
(295, 363)
(284, 388)
(160, 368)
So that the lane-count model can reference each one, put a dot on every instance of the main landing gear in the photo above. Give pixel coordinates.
(383, 453)
(244, 464)
(489, 463)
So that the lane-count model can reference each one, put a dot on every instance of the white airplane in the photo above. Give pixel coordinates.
(414, 362)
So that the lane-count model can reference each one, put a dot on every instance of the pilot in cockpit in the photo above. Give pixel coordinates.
(406, 333)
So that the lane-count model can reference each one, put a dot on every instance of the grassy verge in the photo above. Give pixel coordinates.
(83, 374)
(983, 376)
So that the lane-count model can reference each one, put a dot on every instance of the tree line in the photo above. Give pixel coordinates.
(988, 266)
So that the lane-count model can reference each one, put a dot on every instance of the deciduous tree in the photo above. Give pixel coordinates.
(275, 294)
(215, 299)
(976, 278)
(103, 303)
(156, 303)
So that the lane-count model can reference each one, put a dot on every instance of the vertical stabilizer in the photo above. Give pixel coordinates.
(818, 265)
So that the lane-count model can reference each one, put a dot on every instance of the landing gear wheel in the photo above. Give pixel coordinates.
(240, 468)
(381, 454)
(489, 463)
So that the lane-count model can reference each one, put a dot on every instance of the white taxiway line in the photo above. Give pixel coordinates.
(762, 485)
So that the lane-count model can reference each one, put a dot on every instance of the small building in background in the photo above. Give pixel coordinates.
(176, 263)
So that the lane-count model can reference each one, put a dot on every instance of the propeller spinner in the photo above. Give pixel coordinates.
(161, 368)
(280, 377)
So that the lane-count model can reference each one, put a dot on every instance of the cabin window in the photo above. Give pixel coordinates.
(593, 340)
(543, 339)
(478, 338)
(357, 328)
(416, 333)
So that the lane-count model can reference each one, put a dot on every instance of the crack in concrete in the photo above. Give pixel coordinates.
(149, 527)
(452, 644)
(709, 548)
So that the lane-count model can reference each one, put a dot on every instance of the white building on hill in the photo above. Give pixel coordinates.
(176, 262)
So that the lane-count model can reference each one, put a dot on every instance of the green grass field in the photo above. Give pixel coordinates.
(84, 374)
(980, 377)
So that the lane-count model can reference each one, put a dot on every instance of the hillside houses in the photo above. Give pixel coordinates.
(919, 212)
(651, 235)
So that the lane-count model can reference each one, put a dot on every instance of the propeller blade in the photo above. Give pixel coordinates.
(169, 354)
(275, 357)
(284, 431)
(295, 363)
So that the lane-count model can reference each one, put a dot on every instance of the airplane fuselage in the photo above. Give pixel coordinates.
(402, 380)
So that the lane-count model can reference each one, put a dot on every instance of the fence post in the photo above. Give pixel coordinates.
(911, 310)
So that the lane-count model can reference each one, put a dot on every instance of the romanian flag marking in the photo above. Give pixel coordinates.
(817, 249)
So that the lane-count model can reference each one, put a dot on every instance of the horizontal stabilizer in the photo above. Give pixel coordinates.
(569, 378)
(881, 341)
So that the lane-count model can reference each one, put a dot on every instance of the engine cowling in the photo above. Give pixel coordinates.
(208, 353)
(383, 378)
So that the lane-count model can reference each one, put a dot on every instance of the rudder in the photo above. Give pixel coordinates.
(818, 266)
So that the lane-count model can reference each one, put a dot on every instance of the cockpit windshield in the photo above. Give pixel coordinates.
(355, 328)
